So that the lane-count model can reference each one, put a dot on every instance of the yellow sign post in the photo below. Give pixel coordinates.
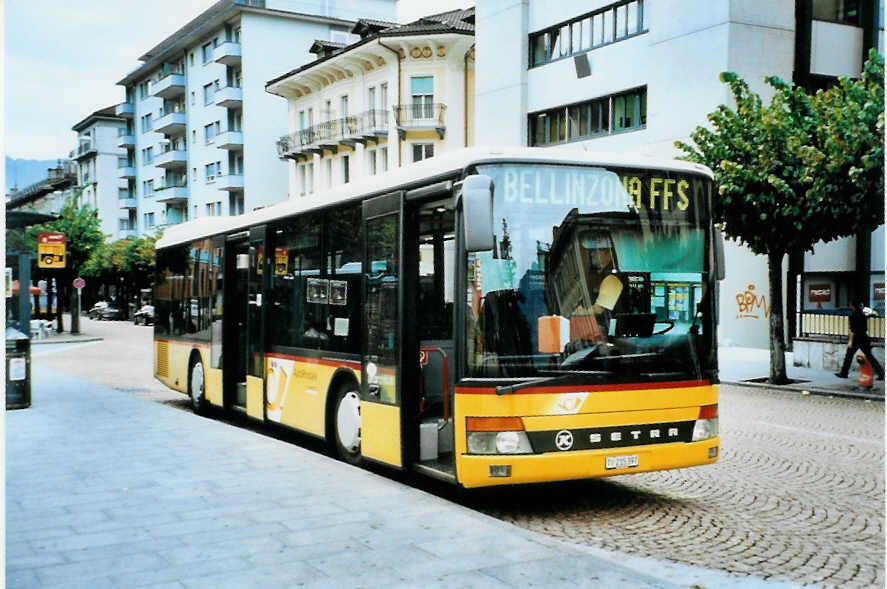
(51, 250)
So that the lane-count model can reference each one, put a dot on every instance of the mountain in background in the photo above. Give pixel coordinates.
(22, 172)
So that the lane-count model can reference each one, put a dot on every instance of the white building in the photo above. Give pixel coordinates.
(96, 156)
(201, 127)
(636, 75)
(397, 95)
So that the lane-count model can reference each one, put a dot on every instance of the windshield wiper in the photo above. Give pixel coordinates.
(570, 378)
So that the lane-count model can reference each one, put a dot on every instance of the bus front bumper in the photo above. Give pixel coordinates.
(509, 469)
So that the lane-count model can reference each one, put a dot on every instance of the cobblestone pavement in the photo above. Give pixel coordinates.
(797, 495)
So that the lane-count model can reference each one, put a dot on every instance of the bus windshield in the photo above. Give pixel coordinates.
(598, 273)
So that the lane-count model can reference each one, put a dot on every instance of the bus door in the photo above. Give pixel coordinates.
(259, 267)
(234, 326)
(381, 354)
(243, 327)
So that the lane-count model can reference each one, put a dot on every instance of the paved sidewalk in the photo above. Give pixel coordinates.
(108, 490)
(740, 365)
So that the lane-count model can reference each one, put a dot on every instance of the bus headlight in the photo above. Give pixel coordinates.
(705, 429)
(499, 443)
(497, 435)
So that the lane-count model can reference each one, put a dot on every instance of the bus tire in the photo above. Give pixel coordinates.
(197, 385)
(346, 425)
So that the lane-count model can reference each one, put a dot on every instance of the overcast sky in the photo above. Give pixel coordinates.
(63, 60)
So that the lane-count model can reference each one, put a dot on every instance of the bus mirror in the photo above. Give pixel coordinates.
(477, 213)
(720, 265)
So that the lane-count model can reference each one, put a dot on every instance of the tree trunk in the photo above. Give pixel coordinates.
(777, 333)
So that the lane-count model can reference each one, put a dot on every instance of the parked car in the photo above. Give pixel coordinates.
(144, 316)
(110, 314)
(97, 309)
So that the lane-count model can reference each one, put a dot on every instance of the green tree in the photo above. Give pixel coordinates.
(766, 161)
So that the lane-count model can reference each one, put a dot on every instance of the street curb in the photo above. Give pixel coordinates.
(65, 340)
(813, 390)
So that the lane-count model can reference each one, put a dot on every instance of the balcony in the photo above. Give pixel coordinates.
(85, 150)
(175, 192)
(125, 109)
(171, 123)
(228, 53)
(231, 140)
(429, 116)
(229, 182)
(125, 169)
(127, 202)
(295, 145)
(229, 97)
(325, 136)
(374, 124)
(124, 233)
(171, 158)
(172, 84)
(125, 139)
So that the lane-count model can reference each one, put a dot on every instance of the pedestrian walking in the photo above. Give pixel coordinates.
(859, 340)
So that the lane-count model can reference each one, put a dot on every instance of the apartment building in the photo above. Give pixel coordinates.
(96, 157)
(200, 128)
(397, 95)
(636, 75)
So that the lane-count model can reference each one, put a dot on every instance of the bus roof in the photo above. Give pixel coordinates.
(438, 166)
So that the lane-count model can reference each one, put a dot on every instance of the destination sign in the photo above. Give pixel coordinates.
(595, 189)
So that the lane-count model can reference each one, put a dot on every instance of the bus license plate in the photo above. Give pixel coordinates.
(629, 461)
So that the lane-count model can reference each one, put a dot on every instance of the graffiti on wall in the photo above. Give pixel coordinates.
(750, 305)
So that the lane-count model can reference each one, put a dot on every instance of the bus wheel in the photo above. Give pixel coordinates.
(196, 387)
(347, 426)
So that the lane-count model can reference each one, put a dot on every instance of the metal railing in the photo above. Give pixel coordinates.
(176, 108)
(169, 70)
(835, 324)
(374, 119)
(83, 148)
(122, 162)
(420, 114)
(180, 183)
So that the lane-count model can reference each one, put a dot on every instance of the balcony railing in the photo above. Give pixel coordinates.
(125, 109)
(84, 150)
(228, 53)
(374, 123)
(421, 116)
(172, 191)
(229, 97)
(168, 85)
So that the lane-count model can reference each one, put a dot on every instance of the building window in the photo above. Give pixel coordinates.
(841, 11)
(235, 204)
(148, 188)
(329, 173)
(346, 169)
(422, 91)
(211, 130)
(211, 170)
(602, 116)
(371, 162)
(422, 151)
(143, 91)
(383, 96)
(606, 25)
(310, 178)
(208, 93)
(146, 123)
(207, 52)
(192, 59)
(343, 105)
(303, 186)
(383, 159)
(147, 156)
(193, 97)
(149, 220)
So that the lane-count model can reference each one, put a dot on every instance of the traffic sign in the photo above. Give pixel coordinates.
(51, 250)
(79, 283)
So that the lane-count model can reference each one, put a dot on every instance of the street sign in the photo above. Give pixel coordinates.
(51, 250)
(79, 283)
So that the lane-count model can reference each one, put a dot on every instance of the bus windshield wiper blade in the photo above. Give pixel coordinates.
(569, 378)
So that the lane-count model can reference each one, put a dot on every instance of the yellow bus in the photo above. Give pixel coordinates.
(485, 317)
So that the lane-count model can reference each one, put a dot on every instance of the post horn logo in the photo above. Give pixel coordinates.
(563, 440)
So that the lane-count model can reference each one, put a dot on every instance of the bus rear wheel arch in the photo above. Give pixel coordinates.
(197, 383)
